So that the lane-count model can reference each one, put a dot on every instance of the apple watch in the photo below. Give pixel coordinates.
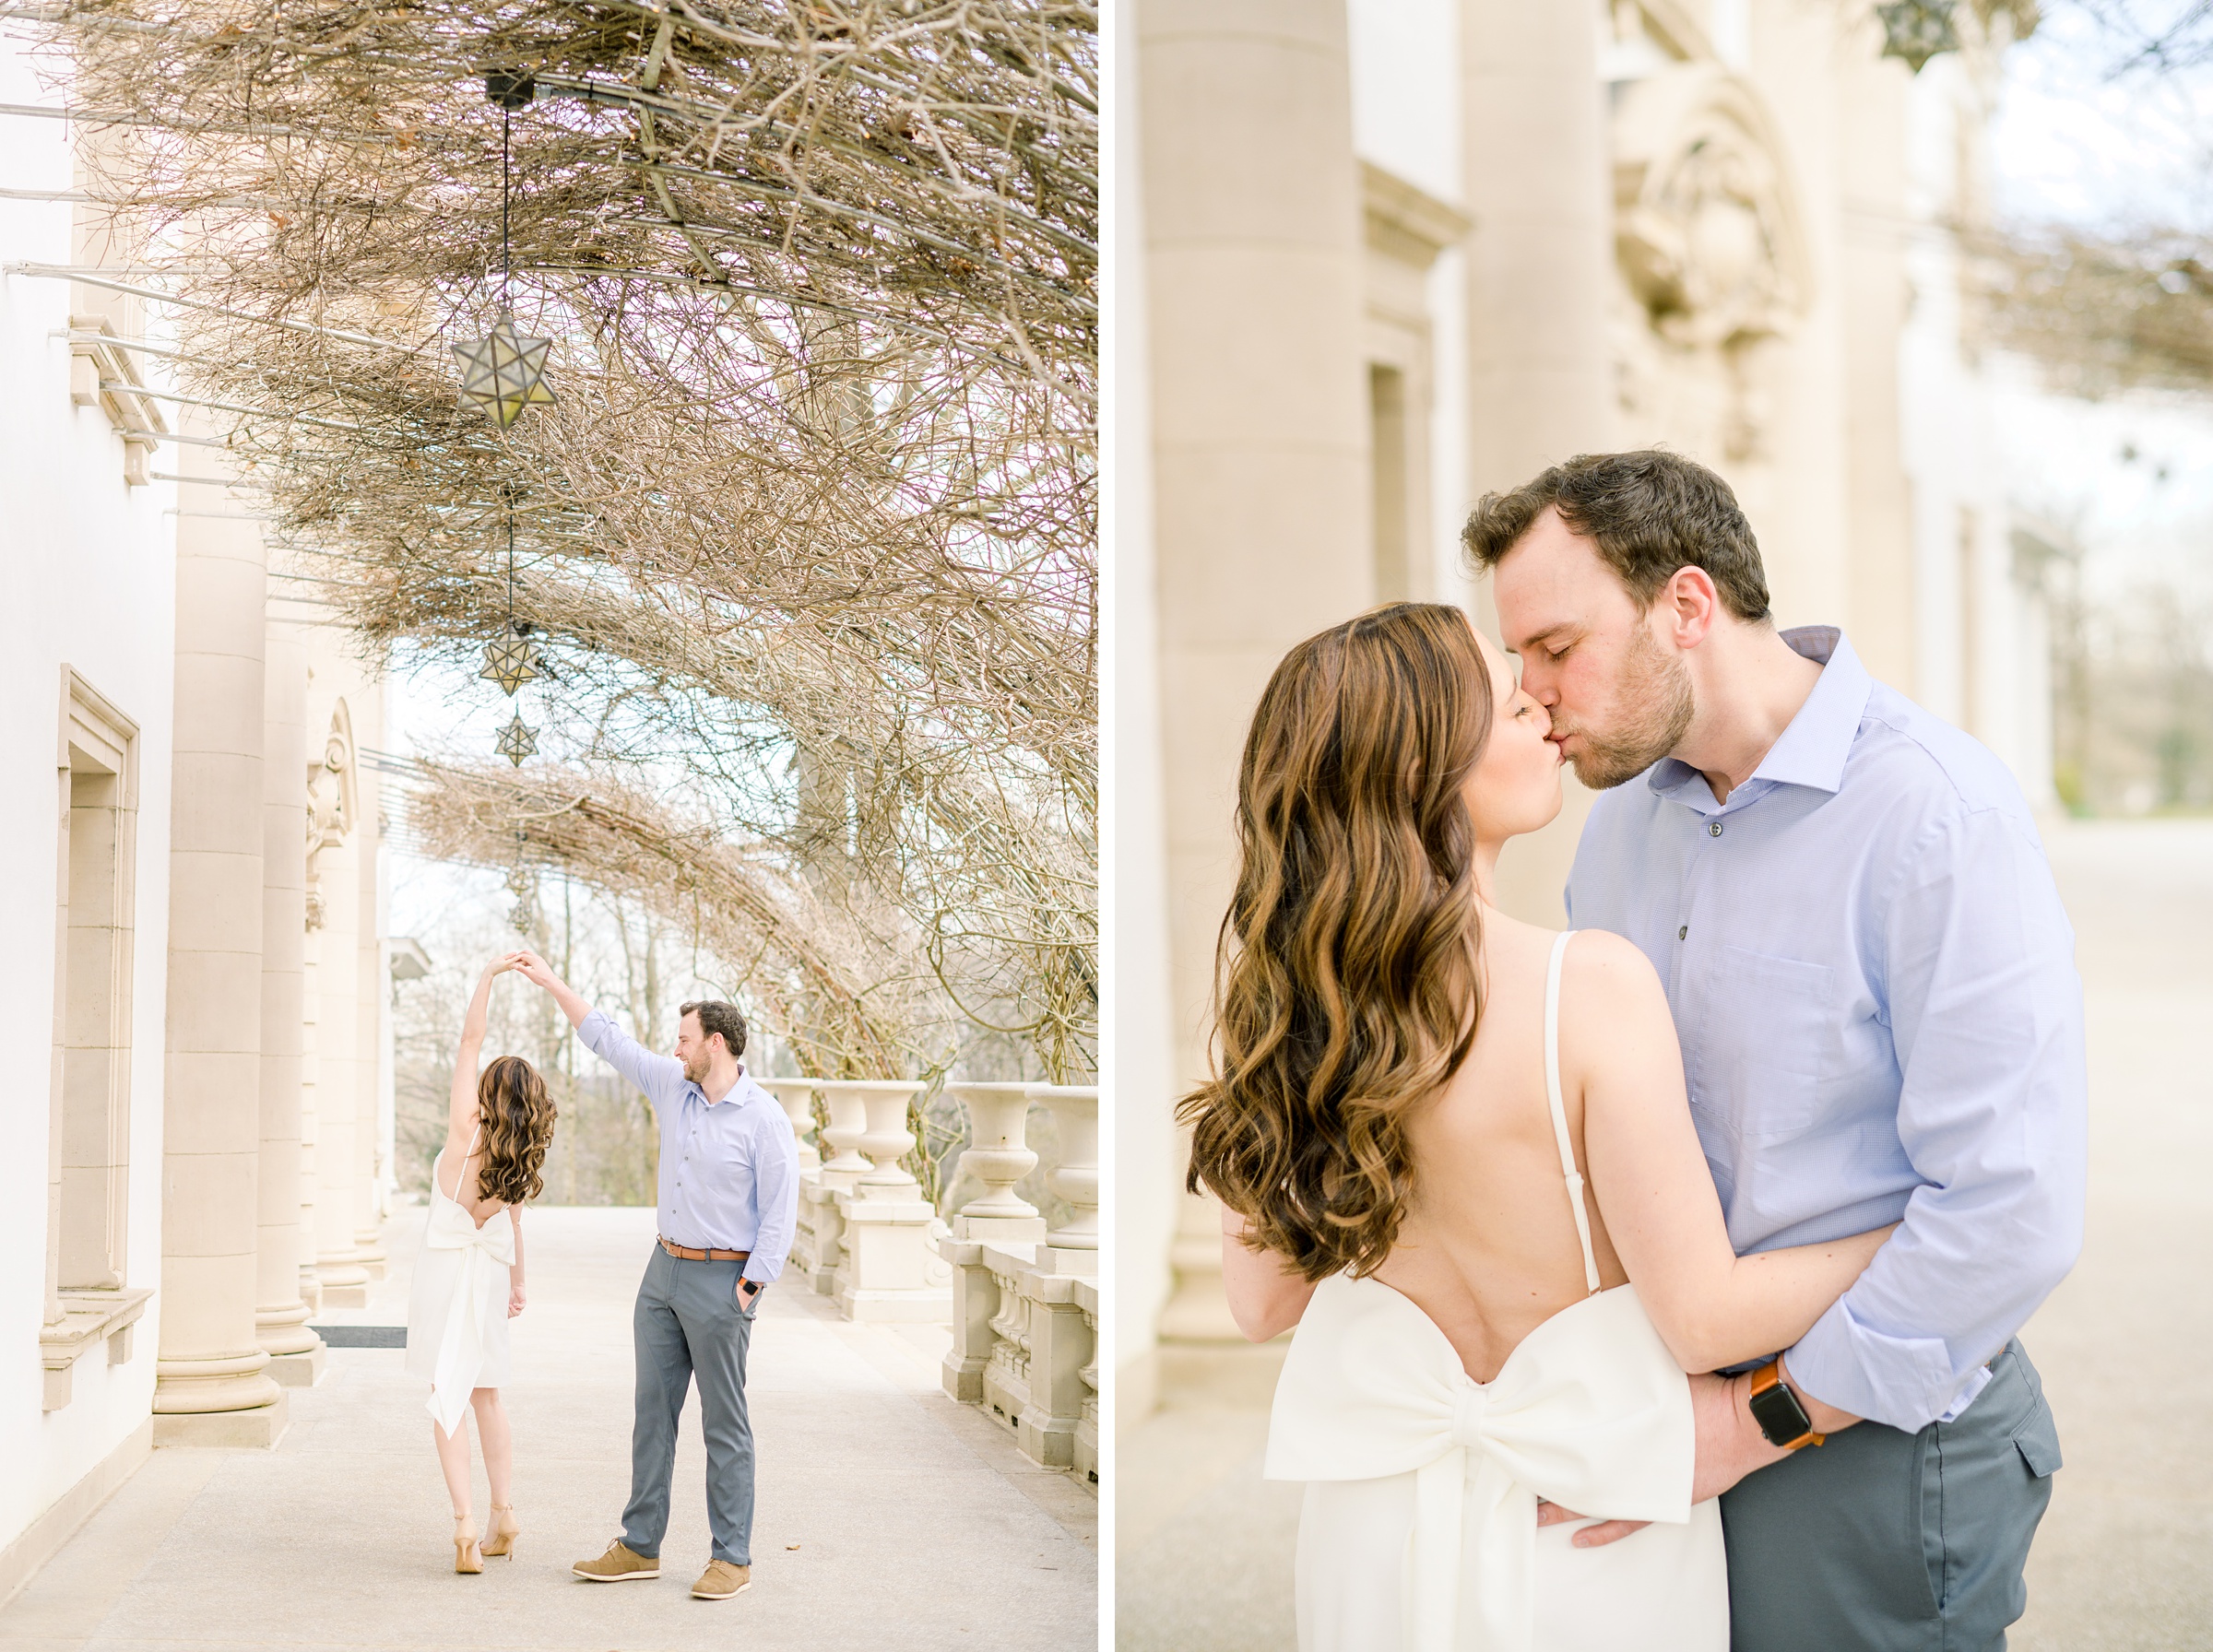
(1777, 1411)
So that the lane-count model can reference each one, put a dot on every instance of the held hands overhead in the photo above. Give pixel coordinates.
(530, 966)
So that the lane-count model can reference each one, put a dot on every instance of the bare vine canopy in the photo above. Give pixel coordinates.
(805, 542)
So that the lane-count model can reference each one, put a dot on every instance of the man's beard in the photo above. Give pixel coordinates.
(695, 1069)
(1653, 692)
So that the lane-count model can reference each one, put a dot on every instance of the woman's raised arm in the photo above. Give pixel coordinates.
(1649, 1177)
(461, 1111)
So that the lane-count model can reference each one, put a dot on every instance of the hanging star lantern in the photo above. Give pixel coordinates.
(1916, 31)
(505, 372)
(511, 662)
(517, 740)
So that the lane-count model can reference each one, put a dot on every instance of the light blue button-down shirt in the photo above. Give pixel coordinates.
(1875, 986)
(730, 1169)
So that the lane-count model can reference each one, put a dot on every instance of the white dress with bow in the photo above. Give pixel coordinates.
(1419, 1532)
(457, 1306)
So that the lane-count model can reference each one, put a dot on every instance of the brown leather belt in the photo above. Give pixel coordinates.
(688, 1255)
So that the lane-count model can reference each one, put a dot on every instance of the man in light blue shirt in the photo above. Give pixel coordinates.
(729, 1207)
(1873, 979)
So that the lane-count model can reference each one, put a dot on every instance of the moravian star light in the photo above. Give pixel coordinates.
(1916, 31)
(517, 740)
(505, 372)
(508, 662)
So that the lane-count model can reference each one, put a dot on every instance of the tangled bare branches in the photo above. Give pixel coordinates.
(2106, 315)
(808, 532)
(848, 985)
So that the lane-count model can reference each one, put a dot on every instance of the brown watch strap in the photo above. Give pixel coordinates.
(1767, 1376)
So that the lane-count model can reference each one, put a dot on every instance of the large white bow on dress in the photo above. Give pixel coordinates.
(486, 1253)
(1589, 1412)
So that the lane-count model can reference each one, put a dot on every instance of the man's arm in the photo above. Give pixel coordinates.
(536, 970)
(776, 1199)
(1986, 1015)
(652, 1074)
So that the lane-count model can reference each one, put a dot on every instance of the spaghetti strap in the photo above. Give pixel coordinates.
(456, 1193)
(1576, 1199)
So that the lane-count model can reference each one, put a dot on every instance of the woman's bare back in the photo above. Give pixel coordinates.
(1488, 1250)
(458, 1177)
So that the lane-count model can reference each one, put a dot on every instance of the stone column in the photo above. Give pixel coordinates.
(338, 1036)
(1254, 281)
(213, 1386)
(310, 958)
(1539, 268)
(372, 992)
(280, 1315)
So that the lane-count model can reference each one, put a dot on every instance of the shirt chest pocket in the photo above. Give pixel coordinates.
(1763, 1047)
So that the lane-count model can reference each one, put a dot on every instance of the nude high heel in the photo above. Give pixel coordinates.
(468, 1555)
(506, 1529)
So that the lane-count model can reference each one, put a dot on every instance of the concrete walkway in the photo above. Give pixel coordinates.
(2123, 1562)
(889, 1517)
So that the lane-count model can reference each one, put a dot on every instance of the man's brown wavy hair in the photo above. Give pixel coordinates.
(1346, 983)
(518, 1126)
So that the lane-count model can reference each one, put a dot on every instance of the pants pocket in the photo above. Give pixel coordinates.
(2037, 1439)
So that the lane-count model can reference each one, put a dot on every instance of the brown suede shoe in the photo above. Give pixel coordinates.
(721, 1581)
(621, 1564)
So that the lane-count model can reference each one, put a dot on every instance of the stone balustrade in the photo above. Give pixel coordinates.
(889, 1268)
(1025, 1301)
(819, 1242)
(796, 1096)
(1022, 1294)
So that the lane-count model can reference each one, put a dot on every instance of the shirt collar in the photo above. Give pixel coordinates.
(737, 1093)
(1811, 751)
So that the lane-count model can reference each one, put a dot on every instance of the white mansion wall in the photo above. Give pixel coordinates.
(86, 580)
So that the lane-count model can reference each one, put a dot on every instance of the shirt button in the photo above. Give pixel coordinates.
(1715, 829)
(1684, 933)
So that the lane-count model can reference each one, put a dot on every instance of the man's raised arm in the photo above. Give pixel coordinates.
(536, 970)
(651, 1073)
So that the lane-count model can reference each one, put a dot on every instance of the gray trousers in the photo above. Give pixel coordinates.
(687, 1323)
(1882, 1541)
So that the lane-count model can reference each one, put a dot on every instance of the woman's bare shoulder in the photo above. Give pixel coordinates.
(1599, 964)
(1613, 1011)
(1603, 962)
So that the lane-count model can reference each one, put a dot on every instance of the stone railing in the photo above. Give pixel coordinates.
(1025, 1300)
(1022, 1298)
(866, 1233)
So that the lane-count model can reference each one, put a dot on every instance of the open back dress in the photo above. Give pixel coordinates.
(1419, 1528)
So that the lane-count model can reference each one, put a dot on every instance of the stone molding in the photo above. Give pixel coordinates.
(90, 1317)
(1405, 221)
(43, 1538)
(87, 1230)
(104, 374)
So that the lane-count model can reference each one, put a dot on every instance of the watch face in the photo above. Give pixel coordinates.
(1779, 1415)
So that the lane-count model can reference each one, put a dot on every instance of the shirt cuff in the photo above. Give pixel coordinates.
(1906, 1382)
(759, 1270)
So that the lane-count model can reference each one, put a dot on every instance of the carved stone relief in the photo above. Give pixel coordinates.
(1712, 262)
(331, 804)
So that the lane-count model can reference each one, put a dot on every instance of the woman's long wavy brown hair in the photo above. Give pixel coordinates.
(1347, 983)
(518, 1126)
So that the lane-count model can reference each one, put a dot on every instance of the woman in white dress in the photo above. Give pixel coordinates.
(1412, 1089)
(468, 1277)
